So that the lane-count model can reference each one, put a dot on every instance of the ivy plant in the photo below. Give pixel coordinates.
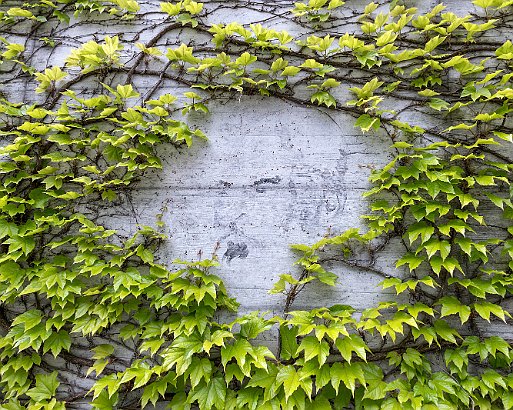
(92, 317)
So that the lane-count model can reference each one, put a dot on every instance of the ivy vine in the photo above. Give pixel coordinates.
(91, 318)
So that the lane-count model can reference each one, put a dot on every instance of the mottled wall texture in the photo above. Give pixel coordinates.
(272, 173)
(274, 170)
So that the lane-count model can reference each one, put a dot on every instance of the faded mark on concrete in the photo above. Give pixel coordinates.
(263, 181)
(236, 250)
(225, 184)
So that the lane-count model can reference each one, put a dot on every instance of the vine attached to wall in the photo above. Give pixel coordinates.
(89, 317)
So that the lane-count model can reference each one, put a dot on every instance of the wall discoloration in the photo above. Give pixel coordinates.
(290, 184)
(236, 250)
(271, 174)
(262, 182)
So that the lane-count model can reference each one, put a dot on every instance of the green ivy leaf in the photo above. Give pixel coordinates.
(452, 306)
(289, 346)
(25, 243)
(352, 343)
(365, 122)
(57, 342)
(347, 374)
(46, 386)
(485, 309)
(314, 348)
(288, 376)
(211, 394)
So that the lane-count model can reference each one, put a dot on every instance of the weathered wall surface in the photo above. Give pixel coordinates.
(272, 174)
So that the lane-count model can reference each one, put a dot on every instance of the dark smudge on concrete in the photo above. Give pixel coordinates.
(236, 250)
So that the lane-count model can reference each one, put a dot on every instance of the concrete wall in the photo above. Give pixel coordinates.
(271, 174)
